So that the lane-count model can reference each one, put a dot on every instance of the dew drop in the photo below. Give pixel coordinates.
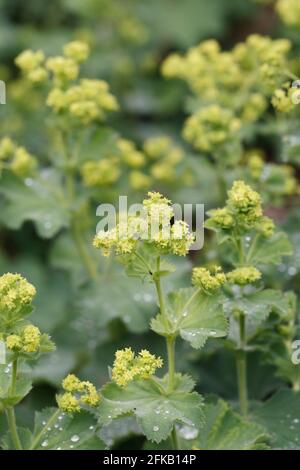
(188, 432)
(296, 421)
(58, 448)
(45, 443)
(75, 438)
(212, 333)
(91, 428)
(155, 428)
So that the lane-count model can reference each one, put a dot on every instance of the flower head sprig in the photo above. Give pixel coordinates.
(32, 65)
(28, 340)
(100, 173)
(153, 227)
(210, 281)
(16, 158)
(86, 102)
(211, 128)
(289, 11)
(128, 366)
(16, 293)
(77, 394)
(216, 76)
(244, 275)
(243, 212)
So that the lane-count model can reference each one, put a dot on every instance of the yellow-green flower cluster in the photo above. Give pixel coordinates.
(289, 11)
(130, 155)
(222, 217)
(242, 79)
(32, 65)
(153, 226)
(211, 128)
(86, 102)
(165, 156)
(283, 100)
(133, 30)
(243, 211)
(208, 280)
(15, 293)
(139, 180)
(243, 276)
(27, 341)
(77, 393)
(77, 50)
(245, 203)
(128, 366)
(255, 163)
(62, 68)
(16, 158)
(100, 173)
(266, 226)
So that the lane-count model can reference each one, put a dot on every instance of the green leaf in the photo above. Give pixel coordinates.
(156, 412)
(25, 436)
(22, 388)
(117, 297)
(258, 305)
(65, 432)
(39, 200)
(226, 430)
(271, 250)
(119, 429)
(193, 315)
(281, 417)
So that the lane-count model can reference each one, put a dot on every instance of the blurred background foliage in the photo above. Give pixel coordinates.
(129, 40)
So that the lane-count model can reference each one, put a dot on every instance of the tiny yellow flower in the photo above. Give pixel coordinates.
(68, 403)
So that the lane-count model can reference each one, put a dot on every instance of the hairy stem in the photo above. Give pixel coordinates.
(170, 348)
(10, 412)
(241, 361)
(86, 259)
(14, 376)
(11, 420)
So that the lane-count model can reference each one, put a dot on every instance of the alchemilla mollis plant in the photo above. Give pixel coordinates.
(132, 335)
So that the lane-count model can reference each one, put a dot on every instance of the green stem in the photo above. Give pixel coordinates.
(242, 366)
(14, 377)
(220, 171)
(253, 246)
(83, 252)
(49, 423)
(174, 438)
(87, 261)
(10, 413)
(171, 362)
(11, 420)
(170, 350)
